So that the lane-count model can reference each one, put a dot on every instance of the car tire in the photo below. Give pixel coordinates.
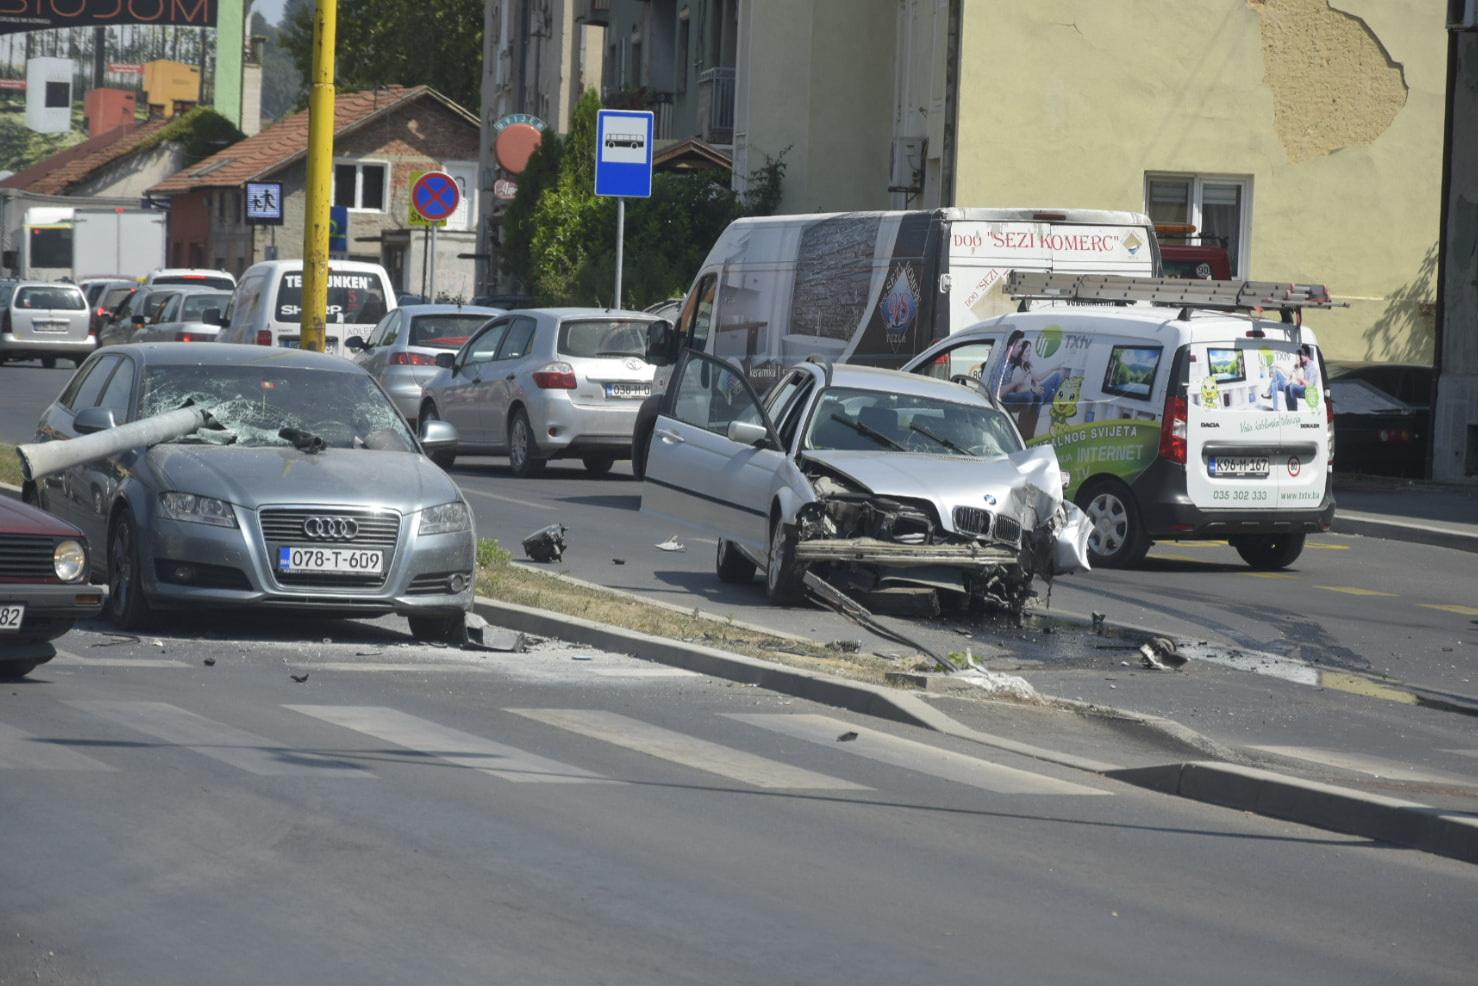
(783, 574)
(49, 362)
(440, 629)
(598, 465)
(1269, 552)
(733, 565)
(444, 460)
(523, 451)
(1118, 539)
(127, 607)
(15, 670)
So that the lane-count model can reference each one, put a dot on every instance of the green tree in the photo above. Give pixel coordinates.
(398, 42)
(282, 84)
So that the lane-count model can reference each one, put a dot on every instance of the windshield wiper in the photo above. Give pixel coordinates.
(942, 441)
(869, 431)
(615, 353)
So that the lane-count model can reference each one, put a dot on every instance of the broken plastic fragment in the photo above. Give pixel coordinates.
(672, 544)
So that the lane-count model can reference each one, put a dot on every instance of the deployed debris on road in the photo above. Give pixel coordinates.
(546, 545)
(1160, 654)
(672, 544)
(482, 635)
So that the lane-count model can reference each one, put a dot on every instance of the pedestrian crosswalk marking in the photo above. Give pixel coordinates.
(664, 744)
(451, 745)
(236, 747)
(912, 755)
(19, 750)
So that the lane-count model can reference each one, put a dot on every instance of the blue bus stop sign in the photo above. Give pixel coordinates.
(623, 154)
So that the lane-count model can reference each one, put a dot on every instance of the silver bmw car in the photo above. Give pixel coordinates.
(305, 491)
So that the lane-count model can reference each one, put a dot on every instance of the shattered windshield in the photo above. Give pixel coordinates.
(868, 420)
(253, 403)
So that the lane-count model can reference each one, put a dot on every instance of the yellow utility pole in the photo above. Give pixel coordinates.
(320, 177)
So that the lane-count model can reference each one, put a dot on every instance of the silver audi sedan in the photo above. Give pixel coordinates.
(305, 491)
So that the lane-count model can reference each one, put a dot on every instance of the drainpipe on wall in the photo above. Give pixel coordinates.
(951, 104)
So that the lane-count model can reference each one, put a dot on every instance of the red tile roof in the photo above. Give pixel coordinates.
(287, 140)
(55, 175)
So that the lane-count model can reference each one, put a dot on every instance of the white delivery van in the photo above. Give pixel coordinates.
(267, 307)
(1195, 421)
(876, 288)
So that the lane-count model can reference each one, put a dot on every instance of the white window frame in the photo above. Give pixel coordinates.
(1198, 183)
(359, 164)
(464, 173)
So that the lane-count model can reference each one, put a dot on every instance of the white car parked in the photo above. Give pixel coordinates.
(880, 478)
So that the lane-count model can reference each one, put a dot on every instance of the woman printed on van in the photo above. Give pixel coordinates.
(1293, 388)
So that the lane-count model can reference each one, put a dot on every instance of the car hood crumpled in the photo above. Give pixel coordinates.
(1025, 484)
(253, 477)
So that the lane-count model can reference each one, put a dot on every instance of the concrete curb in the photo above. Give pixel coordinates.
(1376, 526)
(1326, 806)
(1253, 789)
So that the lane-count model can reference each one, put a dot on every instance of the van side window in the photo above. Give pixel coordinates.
(697, 317)
(967, 359)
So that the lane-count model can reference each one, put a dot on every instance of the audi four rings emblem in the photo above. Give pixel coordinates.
(331, 528)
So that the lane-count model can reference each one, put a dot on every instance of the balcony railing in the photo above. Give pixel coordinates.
(660, 103)
(716, 104)
(597, 12)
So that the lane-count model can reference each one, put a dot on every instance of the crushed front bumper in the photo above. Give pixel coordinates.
(890, 554)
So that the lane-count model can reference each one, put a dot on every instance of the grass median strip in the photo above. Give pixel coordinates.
(499, 578)
(10, 466)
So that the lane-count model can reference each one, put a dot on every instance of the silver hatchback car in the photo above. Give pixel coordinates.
(44, 320)
(401, 350)
(545, 383)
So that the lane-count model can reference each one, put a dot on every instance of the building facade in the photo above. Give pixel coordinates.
(1307, 133)
(383, 139)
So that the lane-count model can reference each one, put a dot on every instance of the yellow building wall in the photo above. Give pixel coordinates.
(821, 85)
(166, 81)
(1334, 108)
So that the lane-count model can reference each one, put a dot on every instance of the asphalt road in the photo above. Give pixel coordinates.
(412, 814)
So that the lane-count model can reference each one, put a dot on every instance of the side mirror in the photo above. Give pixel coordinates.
(93, 419)
(212, 316)
(662, 343)
(438, 436)
(356, 343)
(446, 361)
(749, 433)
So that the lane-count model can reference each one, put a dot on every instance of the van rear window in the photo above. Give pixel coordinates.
(56, 298)
(356, 298)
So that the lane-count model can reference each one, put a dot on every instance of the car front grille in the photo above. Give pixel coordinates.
(374, 529)
(27, 556)
(982, 523)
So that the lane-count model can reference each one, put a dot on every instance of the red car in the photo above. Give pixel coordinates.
(43, 585)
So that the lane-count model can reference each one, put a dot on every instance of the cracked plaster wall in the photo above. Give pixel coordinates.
(1332, 107)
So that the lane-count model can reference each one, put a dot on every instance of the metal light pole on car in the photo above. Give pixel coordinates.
(316, 221)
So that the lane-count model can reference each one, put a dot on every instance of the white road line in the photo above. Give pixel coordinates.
(452, 745)
(235, 747)
(19, 750)
(1374, 766)
(664, 744)
(510, 499)
(63, 659)
(910, 755)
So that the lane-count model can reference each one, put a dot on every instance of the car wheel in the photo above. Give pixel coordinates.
(15, 670)
(598, 465)
(49, 362)
(127, 607)
(1118, 539)
(733, 565)
(782, 574)
(523, 453)
(1267, 552)
(440, 629)
(443, 459)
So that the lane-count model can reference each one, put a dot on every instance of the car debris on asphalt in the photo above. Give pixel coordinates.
(671, 544)
(548, 544)
(1159, 654)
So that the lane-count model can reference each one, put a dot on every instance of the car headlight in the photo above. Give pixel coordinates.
(69, 560)
(448, 518)
(197, 509)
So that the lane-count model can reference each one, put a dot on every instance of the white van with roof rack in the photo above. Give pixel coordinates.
(1199, 420)
(267, 307)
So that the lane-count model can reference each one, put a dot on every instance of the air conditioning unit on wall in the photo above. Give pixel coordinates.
(1462, 15)
(907, 173)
